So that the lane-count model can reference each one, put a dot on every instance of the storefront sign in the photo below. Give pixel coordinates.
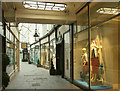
(23, 45)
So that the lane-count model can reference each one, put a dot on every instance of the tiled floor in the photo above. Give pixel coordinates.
(31, 77)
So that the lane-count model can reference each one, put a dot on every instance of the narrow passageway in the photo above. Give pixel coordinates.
(31, 77)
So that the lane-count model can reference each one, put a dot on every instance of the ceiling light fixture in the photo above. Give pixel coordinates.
(36, 34)
(44, 5)
(108, 11)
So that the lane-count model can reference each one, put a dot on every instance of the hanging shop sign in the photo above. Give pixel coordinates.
(23, 45)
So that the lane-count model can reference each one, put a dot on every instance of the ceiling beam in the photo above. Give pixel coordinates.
(43, 18)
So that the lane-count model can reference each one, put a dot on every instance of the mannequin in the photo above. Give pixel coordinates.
(97, 60)
(84, 61)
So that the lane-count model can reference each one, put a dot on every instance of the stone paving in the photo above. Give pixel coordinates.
(31, 77)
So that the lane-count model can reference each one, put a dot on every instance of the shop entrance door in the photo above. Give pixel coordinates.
(59, 59)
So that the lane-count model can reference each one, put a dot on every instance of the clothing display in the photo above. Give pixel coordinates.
(97, 66)
(95, 62)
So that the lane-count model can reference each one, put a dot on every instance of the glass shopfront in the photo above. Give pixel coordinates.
(9, 50)
(42, 54)
(53, 52)
(12, 49)
(45, 55)
(16, 53)
(32, 55)
(37, 54)
(103, 46)
(53, 49)
(104, 54)
(81, 63)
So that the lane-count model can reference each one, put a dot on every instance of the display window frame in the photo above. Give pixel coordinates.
(36, 53)
(90, 42)
(13, 44)
(44, 57)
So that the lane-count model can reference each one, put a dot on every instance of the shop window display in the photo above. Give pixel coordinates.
(32, 55)
(81, 64)
(44, 55)
(104, 45)
(80, 48)
(103, 50)
(37, 54)
(104, 55)
(97, 64)
(53, 52)
(9, 52)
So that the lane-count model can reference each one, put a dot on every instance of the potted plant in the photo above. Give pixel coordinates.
(5, 76)
(38, 63)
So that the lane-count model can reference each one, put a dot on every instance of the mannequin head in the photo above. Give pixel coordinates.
(84, 50)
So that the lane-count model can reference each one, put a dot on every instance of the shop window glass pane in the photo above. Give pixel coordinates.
(32, 55)
(82, 20)
(53, 52)
(67, 54)
(104, 54)
(42, 54)
(9, 52)
(100, 11)
(46, 55)
(81, 64)
(37, 54)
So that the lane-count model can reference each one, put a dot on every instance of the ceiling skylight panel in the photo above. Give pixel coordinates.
(44, 5)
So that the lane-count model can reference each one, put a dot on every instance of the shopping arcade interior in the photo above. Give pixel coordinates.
(78, 32)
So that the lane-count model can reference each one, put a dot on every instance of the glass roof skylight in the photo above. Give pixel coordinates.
(44, 5)
(108, 11)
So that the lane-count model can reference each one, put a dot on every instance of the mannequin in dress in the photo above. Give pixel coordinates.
(84, 62)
